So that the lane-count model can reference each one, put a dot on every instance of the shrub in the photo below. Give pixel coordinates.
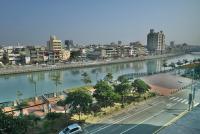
(151, 94)
(53, 116)
(34, 119)
(61, 103)
(95, 108)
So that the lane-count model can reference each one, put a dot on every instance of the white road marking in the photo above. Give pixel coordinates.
(195, 104)
(142, 121)
(145, 120)
(168, 105)
(126, 117)
(179, 100)
(183, 101)
(175, 99)
(171, 98)
(121, 118)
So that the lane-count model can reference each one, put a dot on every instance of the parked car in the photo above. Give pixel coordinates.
(72, 129)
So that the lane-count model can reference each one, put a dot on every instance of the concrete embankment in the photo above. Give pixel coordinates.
(23, 69)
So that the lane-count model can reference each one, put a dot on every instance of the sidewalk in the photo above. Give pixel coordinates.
(188, 124)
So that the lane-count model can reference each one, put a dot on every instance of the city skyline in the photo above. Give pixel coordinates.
(32, 22)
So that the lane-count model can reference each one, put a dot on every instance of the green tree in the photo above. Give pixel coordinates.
(108, 77)
(172, 65)
(20, 103)
(13, 125)
(63, 104)
(122, 79)
(86, 78)
(105, 94)
(197, 72)
(56, 78)
(179, 63)
(5, 59)
(195, 60)
(74, 55)
(79, 101)
(140, 86)
(164, 64)
(34, 82)
(123, 89)
(185, 61)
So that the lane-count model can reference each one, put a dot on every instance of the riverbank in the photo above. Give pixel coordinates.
(33, 68)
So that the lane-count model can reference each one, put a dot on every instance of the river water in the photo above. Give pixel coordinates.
(64, 79)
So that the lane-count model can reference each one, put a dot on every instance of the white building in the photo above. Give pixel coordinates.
(55, 46)
(1, 53)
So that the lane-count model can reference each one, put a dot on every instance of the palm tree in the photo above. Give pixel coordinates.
(19, 104)
(34, 82)
(179, 63)
(86, 78)
(165, 65)
(109, 77)
(57, 80)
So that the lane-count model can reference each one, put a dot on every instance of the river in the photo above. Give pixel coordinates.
(65, 79)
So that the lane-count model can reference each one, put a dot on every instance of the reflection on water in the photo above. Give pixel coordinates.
(154, 66)
(51, 81)
(75, 72)
(138, 66)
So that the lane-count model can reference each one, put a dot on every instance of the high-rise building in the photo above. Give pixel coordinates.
(69, 44)
(119, 42)
(172, 43)
(156, 42)
(55, 46)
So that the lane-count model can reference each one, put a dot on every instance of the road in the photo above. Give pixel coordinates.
(147, 118)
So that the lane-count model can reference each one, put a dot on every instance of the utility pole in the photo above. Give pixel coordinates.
(192, 94)
(190, 101)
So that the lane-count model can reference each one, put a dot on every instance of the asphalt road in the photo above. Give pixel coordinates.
(147, 118)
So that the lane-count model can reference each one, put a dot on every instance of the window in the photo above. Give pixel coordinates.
(66, 130)
(74, 129)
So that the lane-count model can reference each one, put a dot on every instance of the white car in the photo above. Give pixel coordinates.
(72, 129)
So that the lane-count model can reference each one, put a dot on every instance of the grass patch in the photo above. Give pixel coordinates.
(95, 117)
(87, 88)
(193, 65)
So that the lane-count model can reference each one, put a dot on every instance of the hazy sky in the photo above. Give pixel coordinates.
(98, 21)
